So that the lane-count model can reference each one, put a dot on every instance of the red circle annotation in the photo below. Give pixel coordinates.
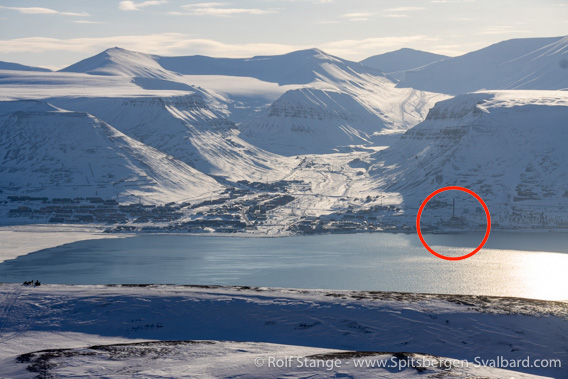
(454, 188)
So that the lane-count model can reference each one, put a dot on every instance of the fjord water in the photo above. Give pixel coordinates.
(532, 265)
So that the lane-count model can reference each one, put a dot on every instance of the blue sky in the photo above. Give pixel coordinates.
(57, 33)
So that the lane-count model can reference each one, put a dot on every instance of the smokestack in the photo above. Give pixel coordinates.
(454, 208)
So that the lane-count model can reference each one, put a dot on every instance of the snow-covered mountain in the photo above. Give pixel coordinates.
(185, 128)
(235, 120)
(309, 120)
(48, 151)
(20, 67)
(298, 67)
(357, 111)
(402, 60)
(121, 62)
(507, 146)
(527, 63)
(344, 104)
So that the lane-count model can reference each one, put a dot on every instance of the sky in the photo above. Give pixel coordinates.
(57, 33)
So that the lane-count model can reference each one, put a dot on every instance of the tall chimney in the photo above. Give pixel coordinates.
(454, 208)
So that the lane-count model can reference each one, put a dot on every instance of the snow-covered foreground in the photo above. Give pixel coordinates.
(229, 359)
(274, 327)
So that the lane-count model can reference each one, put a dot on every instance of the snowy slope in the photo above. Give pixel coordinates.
(25, 85)
(251, 127)
(339, 112)
(298, 67)
(507, 146)
(402, 60)
(302, 322)
(243, 96)
(307, 121)
(20, 67)
(345, 104)
(187, 129)
(121, 62)
(531, 63)
(225, 359)
(52, 152)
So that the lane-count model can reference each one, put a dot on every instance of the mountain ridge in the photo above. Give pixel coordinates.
(117, 61)
(522, 63)
(297, 67)
(402, 60)
(20, 67)
(507, 146)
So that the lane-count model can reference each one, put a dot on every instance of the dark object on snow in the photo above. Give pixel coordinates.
(32, 283)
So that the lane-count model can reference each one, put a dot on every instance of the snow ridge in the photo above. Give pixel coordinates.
(531, 63)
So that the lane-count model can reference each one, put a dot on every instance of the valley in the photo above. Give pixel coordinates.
(300, 143)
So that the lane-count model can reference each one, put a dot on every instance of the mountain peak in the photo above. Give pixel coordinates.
(402, 60)
(311, 51)
(117, 61)
(316, 53)
(297, 67)
(119, 50)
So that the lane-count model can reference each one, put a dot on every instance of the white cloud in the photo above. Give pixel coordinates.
(357, 16)
(404, 9)
(31, 10)
(451, 1)
(503, 29)
(454, 50)
(132, 6)
(395, 12)
(351, 48)
(203, 5)
(183, 44)
(463, 18)
(38, 10)
(88, 22)
(218, 9)
(228, 11)
(164, 43)
(82, 14)
(304, 1)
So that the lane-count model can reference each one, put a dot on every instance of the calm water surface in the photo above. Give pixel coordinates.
(531, 265)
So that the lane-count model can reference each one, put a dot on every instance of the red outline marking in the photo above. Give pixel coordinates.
(450, 188)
